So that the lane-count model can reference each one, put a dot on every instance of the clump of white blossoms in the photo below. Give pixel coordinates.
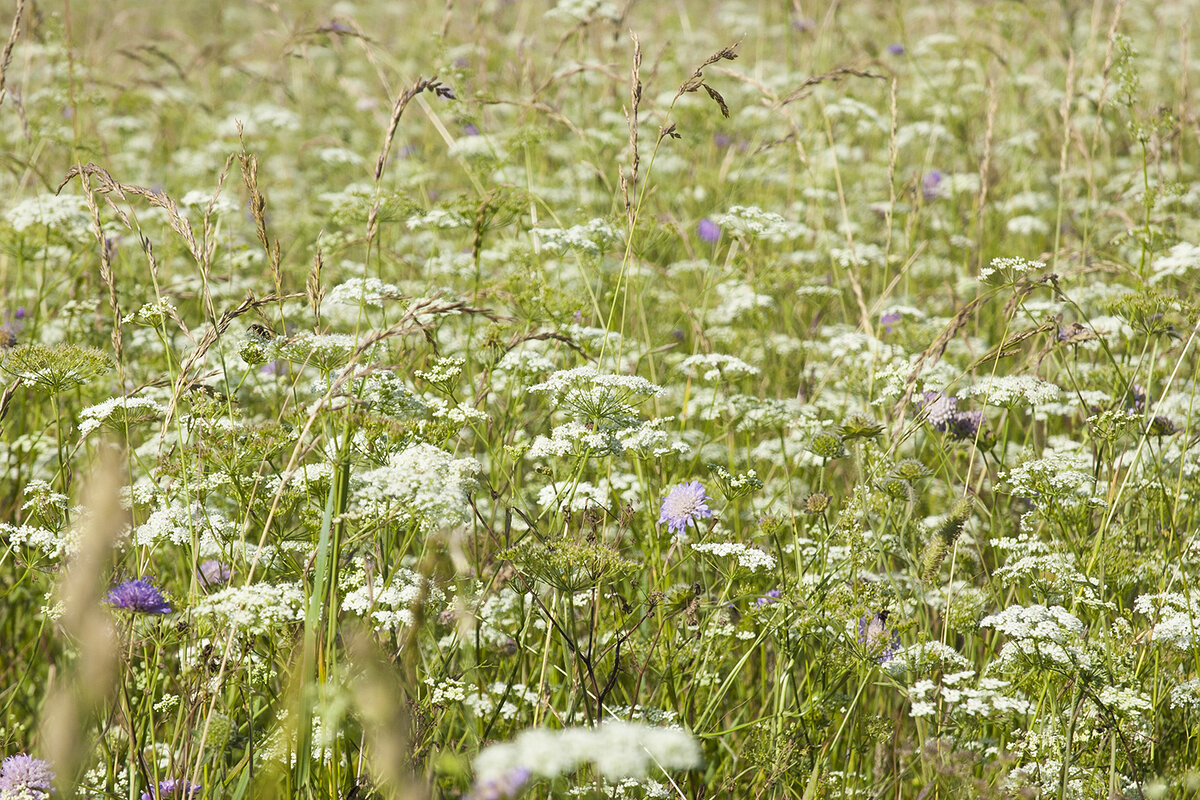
(151, 314)
(593, 238)
(966, 694)
(1008, 391)
(615, 748)
(604, 416)
(751, 222)
(326, 351)
(391, 604)
(1058, 482)
(421, 485)
(1175, 618)
(1047, 637)
(750, 558)
(713, 367)
(597, 396)
(362, 291)
(117, 412)
(254, 609)
(1009, 268)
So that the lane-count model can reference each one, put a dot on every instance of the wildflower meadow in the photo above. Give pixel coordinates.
(599, 399)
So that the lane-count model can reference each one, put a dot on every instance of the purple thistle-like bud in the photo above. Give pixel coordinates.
(709, 231)
(24, 772)
(684, 504)
(139, 596)
(172, 788)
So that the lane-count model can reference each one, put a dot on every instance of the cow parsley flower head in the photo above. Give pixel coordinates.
(172, 788)
(686, 503)
(25, 774)
(616, 748)
(139, 596)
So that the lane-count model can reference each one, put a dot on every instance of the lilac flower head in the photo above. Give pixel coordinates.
(24, 772)
(874, 635)
(502, 786)
(683, 504)
(938, 408)
(896, 49)
(709, 231)
(470, 129)
(964, 424)
(213, 573)
(930, 185)
(890, 319)
(767, 599)
(172, 787)
(138, 596)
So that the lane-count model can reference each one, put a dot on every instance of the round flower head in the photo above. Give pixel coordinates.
(213, 573)
(140, 596)
(25, 773)
(173, 787)
(709, 231)
(683, 504)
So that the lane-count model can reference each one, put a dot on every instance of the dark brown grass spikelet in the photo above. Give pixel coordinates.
(696, 81)
(422, 85)
(628, 180)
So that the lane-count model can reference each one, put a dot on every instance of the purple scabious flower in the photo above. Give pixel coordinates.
(889, 320)
(964, 424)
(873, 634)
(767, 599)
(24, 772)
(896, 49)
(502, 786)
(938, 408)
(139, 596)
(709, 231)
(172, 787)
(683, 504)
(214, 573)
(930, 186)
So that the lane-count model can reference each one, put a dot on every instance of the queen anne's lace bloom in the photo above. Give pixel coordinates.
(617, 750)
(750, 558)
(422, 484)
